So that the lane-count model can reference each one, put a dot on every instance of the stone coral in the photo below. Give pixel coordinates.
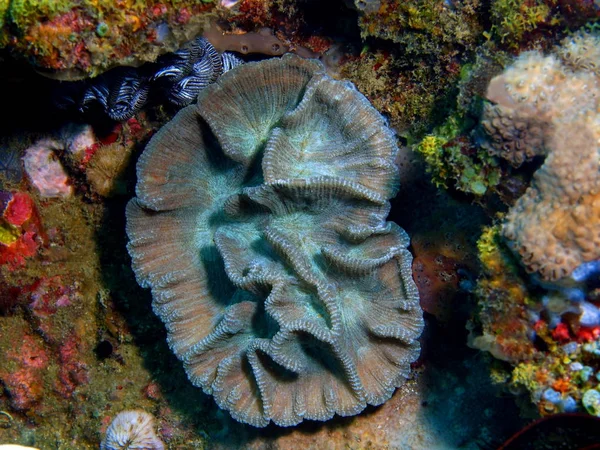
(513, 138)
(131, 430)
(553, 226)
(259, 224)
(45, 171)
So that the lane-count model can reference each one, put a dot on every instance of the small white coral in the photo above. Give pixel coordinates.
(77, 137)
(132, 430)
(45, 170)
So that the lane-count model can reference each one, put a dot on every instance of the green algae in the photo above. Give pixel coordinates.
(513, 19)
(453, 161)
(74, 39)
(591, 402)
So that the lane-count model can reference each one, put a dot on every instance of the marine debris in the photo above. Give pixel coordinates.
(259, 224)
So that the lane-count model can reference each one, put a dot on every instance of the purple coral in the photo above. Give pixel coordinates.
(259, 224)
(45, 171)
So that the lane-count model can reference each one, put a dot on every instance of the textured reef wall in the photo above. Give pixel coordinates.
(260, 227)
(546, 324)
(304, 280)
(74, 39)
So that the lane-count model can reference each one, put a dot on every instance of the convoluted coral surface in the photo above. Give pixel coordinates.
(259, 224)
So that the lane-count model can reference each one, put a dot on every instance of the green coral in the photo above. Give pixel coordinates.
(525, 374)
(23, 13)
(8, 233)
(4, 4)
(423, 25)
(513, 19)
(452, 160)
(591, 402)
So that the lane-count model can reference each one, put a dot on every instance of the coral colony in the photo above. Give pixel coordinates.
(258, 166)
(548, 105)
(267, 250)
(132, 430)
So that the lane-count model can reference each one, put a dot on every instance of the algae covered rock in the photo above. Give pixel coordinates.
(259, 224)
(70, 40)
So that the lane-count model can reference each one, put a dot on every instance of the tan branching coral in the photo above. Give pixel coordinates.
(554, 226)
(259, 224)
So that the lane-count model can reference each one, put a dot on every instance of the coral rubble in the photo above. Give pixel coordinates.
(259, 224)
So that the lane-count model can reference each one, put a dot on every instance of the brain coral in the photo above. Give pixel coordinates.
(259, 224)
(554, 225)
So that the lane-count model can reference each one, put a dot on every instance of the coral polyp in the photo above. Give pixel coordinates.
(548, 105)
(259, 224)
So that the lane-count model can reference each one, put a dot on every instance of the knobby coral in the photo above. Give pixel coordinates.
(259, 224)
(548, 105)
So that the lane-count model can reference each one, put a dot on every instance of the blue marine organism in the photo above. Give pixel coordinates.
(260, 226)
(576, 366)
(586, 271)
(589, 314)
(564, 403)
(11, 168)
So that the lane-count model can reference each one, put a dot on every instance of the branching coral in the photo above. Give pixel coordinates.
(259, 224)
(554, 225)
